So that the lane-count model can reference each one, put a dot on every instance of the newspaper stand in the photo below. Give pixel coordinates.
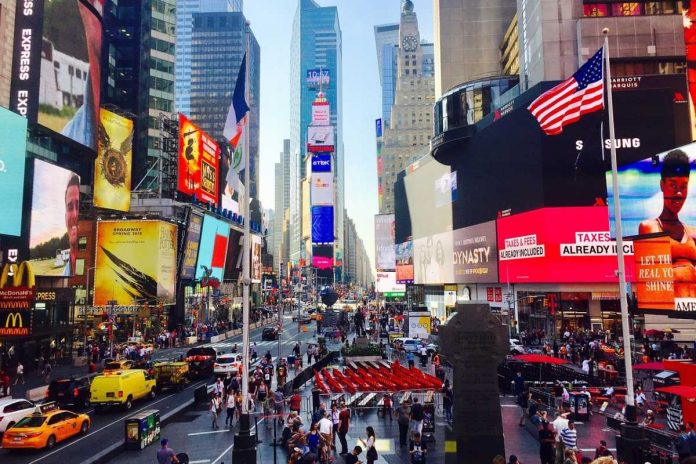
(142, 429)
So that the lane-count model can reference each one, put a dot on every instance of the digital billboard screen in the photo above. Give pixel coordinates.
(212, 249)
(233, 263)
(385, 254)
(112, 168)
(198, 162)
(404, 262)
(322, 189)
(55, 207)
(475, 254)
(429, 194)
(255, 270)
(193, 238)
(70, 76)
(323, 257)
(559, 245)
(321, 113)
(432, 259)
(135, 262)
(320, 138)
(322, 224)
(13, 149)
(386, 283)
(321, 162)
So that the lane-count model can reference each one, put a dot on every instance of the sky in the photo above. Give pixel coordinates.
(361, 93)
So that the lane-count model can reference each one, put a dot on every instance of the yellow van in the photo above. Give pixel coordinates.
(121, 388)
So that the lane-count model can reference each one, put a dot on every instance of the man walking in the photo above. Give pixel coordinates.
(417, 416)
(403, 414)
(343, 426)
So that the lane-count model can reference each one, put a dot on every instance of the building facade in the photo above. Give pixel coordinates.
(184, 29)
(282, 205)
(7, 20)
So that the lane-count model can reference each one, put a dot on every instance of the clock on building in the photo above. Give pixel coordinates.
(409, 43)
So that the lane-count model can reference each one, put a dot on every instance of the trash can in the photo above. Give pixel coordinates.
(142, 429)
(580, 406)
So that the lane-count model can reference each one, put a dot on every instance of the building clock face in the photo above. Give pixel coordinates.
(409, 43)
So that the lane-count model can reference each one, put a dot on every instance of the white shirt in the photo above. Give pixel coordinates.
(559, 424)
(325, 426)
(640, 398)
(586, 366)
(20, 369)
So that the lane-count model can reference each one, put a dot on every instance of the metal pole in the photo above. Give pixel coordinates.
(628, 362)
(111, 327)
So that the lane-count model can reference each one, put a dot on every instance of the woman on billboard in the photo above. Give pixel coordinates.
(674, 184)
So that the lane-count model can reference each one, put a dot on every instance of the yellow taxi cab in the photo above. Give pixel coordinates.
(44, 428)
(112, 365)
(121, 388)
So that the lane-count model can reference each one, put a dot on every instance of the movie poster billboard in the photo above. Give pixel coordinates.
(55, 207)
(198, 162)
(322, 224)
(193, 238)
(112, 168)
(384, 242)
(233, 263)
(255, 269)
(70, 77)
(475, 254)
(432, 259)
(322, 189)
(212, 249)
(404, 262)
(320, 138)
(135, 262)
(13, 149)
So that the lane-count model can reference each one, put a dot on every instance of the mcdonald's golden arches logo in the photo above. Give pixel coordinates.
(14, 320)
(13, 274)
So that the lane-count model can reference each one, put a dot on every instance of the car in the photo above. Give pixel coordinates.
(227, 363)
(121, 388)
(269, 333)
(171, 374)
(12, 410)
(406, 344)
(201, 360)
(516, 347)
(69, 391)
(111, 365)
(44, 428)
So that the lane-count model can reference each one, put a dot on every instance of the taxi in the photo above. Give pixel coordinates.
(112, 365)
(44, 428)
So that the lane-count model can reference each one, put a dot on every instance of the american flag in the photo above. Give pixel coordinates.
(581, 93)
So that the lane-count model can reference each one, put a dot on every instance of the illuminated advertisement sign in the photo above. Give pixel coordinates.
(432, 259)
(404, 262)
(198, 162)
(112, 168)
(193, 238)
(255, 270)
(384, 242)
(321, 162)
(320, 138)
(233, 263)
(559, 245)
(661, 283)
(322, 224)
(13, 133)
(475, 254)
(318, 76)
(322, 257)
(17, 291)
(55, 207)
(26, 65)
(135, 262)
(321, 113)
(378, 127)
(322, 190)
(212, 249)
(386, 283)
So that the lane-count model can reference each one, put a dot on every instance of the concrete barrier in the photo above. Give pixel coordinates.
(191, 340)
(217, 338)
(36, 394)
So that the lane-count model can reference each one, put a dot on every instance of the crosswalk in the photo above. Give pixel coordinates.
(261, 345)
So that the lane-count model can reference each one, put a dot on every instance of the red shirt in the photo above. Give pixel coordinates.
(295, 402)
(343, 421)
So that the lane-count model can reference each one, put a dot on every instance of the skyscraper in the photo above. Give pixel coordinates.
(218, 44)
(387, 42)
(282, 204)
(184, 28)
(315, 44)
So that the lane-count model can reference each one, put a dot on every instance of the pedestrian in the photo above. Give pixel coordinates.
(371, 453)
(387, 406)
(448, 401)
(523, 401)
(20, 373)
(547, 440)
(313, 439)
(569, 437)
(417, 449)
(166, 455)
(309, 355)
(410, 359)
(569, 457)
(559, 424)
(334, 423)
(296, 402)
(692, 437)
(403, 417)
(519, 384)
(215, 410)
(352, 458)
(343, 427)
(417, 416)
(229, 418)
(47, 372)
(514, 460)
(281, 373)
(279, 404)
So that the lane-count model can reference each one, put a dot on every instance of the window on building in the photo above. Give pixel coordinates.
(627, 9)
(82, 243)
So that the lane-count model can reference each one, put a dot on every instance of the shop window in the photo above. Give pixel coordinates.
(596, 9)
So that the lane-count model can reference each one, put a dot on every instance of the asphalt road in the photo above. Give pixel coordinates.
(108, 428)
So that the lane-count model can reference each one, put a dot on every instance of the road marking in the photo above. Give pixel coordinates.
(200, 461)
(223, 453)
(510, 406)
(587, 450)
(148, 406)
(206, 433)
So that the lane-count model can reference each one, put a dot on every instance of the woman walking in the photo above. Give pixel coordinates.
(370, 445)
(215, 410)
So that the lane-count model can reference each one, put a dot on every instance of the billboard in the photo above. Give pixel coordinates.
(378, 127)
(559, 245)
(233, 263)
(321, 113)
(475, 254)
(70, 72)
(317, 76)
(320, 138)
(404, 262)
(662, 284)
(255, 270)
(321, 162)
(198, 162)
(384, 242)
(432, 259)
(112, 168)
(135, 262)
(55, 207)
(17, 290)
(322, 190)
(322, 224)
(212, 249)
(323, 257)
(13, 149)
(193, 238)
(386, 283)
(428, 192)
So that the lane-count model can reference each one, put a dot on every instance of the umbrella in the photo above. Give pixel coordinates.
(539, 359)
(651, 366)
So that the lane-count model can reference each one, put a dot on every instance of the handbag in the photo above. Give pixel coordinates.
(372, 454)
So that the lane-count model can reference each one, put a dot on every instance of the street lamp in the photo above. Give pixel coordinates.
(85, 305)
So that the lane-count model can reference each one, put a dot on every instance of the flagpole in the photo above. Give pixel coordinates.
(628, 362)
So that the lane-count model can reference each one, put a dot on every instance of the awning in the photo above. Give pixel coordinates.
(679, 390)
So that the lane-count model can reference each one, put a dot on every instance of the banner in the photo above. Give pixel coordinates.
(193, 238)
(13, 149)
(17, 289)
(384, 242)
(212, 250)
(322, 257)
(112, 168)
(135, 262)
(404, 262)
(475, 254)
(255, 269)
(55, 207)
(198, 162)
(322, 189)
